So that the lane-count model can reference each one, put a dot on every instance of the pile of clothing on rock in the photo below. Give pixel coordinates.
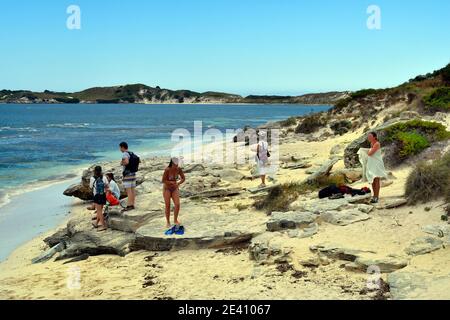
(337, 192)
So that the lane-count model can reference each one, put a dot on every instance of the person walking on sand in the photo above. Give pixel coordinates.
(172, 178)
(99, 185)
(130, 163)
(262, 157)
(373, 165)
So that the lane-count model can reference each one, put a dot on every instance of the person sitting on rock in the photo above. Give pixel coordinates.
(112, 186)
(172, 178)
(375, 166)
(99, 185)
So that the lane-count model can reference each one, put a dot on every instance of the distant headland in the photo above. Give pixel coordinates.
(143, 94)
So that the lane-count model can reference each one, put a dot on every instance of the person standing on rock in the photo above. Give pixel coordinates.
(99, 184)
(172, 178)
(375, 170)
(130, 163)
(262, 157)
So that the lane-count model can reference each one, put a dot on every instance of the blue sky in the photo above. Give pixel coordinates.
(240, 46)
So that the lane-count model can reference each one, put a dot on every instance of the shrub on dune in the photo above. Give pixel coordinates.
(280, 197)
(311, 124)
(429, 181)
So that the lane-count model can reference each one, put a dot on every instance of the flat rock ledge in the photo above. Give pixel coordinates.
(423, 245)
(290, 220)
(150, 238)
(361, 260)
(418, 285)
(202, 231)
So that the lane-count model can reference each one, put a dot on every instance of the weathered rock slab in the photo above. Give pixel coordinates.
(264, 249)
(202, 230)
(385, 264)
(307, 232)
(421, 286)
(423, 245)
(218, 192)
(323, 170)
(344, 217)
(131, 220)
(338, 252)
(290, 220)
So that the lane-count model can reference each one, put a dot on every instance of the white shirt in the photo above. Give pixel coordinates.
(114, 188)
(92, 182)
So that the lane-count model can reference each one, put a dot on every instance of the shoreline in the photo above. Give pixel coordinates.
(75, 177)
(175, 103)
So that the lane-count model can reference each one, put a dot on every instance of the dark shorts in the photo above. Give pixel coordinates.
(100, 199)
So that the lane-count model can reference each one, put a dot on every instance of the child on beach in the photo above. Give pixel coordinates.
(99, 185)
(171, 184)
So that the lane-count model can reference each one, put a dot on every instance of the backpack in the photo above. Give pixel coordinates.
(133, 163)
(99, 186)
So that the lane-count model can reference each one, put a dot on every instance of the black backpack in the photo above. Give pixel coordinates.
(133, 163)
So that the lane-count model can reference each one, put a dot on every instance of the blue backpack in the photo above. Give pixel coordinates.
(99, 186)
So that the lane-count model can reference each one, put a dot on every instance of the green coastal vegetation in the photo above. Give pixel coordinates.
(403, 138)
(429, 181)
(414, 136)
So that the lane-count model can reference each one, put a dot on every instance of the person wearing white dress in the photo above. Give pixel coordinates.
(373, 165)
(262, 158)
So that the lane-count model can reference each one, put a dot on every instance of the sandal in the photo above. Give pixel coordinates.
(170, 231)
(102, 228)
(128, 208)
(95, 225)
(179, 230)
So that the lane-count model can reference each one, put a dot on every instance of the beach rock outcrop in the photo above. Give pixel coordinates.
(290, 220)
(345, 217)
(319, 206)
(132, 220)
(361, 260)
(423, 245)
(205, 228)
(407, 285)
(324, 170)
(384, 264)
(264, 249)
(338, 252)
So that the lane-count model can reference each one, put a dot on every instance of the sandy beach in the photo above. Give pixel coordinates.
(229, 273)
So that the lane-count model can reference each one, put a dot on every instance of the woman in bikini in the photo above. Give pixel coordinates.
(172, 178)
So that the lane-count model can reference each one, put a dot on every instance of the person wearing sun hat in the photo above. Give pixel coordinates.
(262, 157)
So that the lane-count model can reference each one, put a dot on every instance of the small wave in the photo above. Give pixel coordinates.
(68, 125)
(25, 129)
